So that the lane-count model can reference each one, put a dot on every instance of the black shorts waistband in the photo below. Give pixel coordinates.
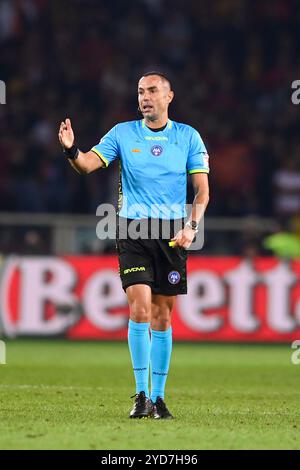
(149, 228)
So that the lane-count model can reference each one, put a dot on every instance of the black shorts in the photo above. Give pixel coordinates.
(152, 261)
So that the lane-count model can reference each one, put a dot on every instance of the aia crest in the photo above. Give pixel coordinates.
(174, 277)
(156, 150)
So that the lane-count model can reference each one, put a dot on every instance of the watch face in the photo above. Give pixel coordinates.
(194, 225)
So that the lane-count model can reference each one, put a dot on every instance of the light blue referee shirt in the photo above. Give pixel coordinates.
(153, 167)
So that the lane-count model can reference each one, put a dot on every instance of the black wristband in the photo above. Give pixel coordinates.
(71, 153)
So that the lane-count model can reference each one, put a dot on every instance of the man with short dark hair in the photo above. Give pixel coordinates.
(156, 154)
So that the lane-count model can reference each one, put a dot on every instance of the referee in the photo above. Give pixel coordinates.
(155, 155)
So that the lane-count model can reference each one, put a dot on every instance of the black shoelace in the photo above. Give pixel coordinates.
(139, 398)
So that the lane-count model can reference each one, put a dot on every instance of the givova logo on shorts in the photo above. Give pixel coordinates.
(135, 269)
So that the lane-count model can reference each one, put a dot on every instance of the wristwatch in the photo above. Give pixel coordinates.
(193, 225)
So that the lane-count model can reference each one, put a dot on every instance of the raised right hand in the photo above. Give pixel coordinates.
(66, 134)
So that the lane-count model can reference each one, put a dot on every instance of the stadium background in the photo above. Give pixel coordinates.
(232, 64)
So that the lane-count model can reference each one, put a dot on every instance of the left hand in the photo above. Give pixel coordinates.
(184, 238)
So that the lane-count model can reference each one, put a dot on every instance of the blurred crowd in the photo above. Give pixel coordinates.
(231, 62)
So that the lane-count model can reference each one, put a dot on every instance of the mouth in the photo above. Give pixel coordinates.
(147, 108)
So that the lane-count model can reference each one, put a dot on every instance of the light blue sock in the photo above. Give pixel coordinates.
(161, 350)
(139, 347)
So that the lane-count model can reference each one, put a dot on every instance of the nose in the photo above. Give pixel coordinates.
(146, 96)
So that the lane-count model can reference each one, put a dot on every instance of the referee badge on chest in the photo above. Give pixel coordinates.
(156, 150)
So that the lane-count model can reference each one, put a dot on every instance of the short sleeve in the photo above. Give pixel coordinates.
(108, 148)
(197, 161)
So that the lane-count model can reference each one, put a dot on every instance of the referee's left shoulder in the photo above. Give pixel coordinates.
(184, 127)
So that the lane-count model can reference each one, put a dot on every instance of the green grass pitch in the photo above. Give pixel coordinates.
(67, 395)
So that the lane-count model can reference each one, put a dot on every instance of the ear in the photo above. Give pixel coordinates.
(170, 96)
